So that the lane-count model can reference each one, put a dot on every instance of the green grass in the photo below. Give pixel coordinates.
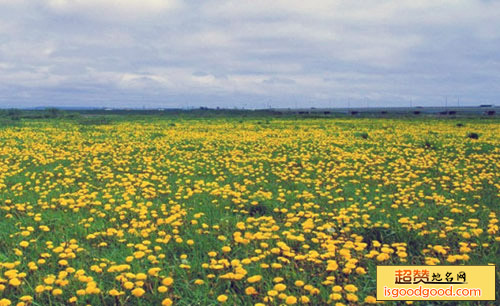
(130, 175)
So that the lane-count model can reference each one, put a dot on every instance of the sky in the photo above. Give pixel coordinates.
(249, 54)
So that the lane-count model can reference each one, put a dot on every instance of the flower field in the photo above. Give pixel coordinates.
(239, 212)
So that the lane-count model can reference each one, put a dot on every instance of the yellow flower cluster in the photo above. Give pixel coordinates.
(239, 211)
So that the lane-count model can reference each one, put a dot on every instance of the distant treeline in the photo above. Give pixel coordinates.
(105, 116)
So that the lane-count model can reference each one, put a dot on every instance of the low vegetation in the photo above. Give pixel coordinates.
(241, 211)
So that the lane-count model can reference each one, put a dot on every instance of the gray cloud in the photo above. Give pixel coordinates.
(170, 53)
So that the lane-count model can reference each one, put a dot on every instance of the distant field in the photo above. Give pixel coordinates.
(240, 211)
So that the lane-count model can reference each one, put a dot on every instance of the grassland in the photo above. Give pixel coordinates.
(239, 211)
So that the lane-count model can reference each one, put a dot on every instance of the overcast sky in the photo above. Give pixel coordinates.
(252, 54)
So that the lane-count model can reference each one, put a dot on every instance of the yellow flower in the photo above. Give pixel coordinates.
(254, 279)
(56, 292)
(167, 281)
(5, 302)
(370, 300)
(139, 254)
(335, 296)
(351, 297)
(162, 289)
(138, 292)
(250, 291)
(199, 282)
(277, 279)
(291, 300)
(382, 256)
(280, 287)
(49, 280)
(14, 282)
(350, 288)
(222, 298)
(24, 244)
(166, 302)
(154, 271)
(128, 285)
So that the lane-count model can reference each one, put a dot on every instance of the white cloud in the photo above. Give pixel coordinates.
(142, 81)
(112, 9)
(312, 50)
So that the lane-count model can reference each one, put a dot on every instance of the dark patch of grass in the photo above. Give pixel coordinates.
(473, 135)
(98, 120)
(429, 144)
(8, 122)
(363, 135)
(259, 210)
(156, 136)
